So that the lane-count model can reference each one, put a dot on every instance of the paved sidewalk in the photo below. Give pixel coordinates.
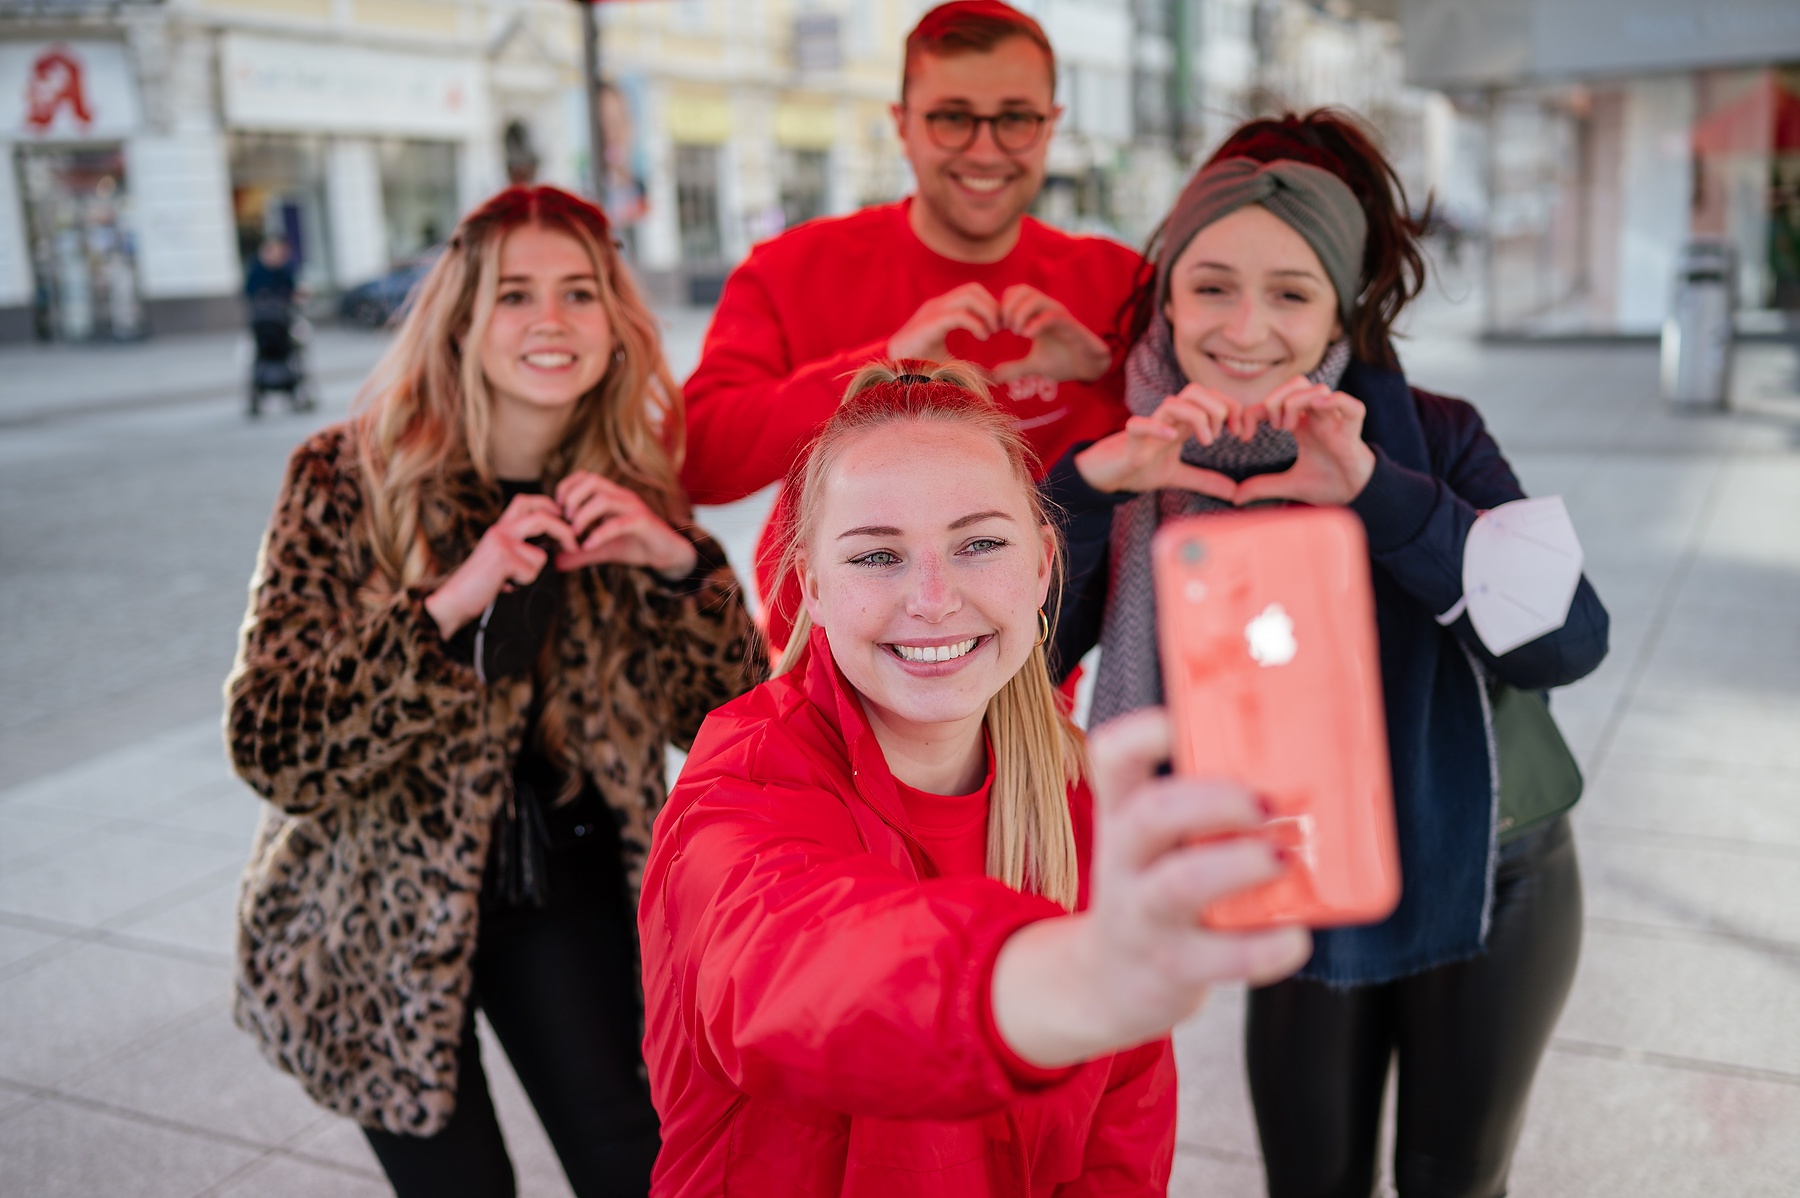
(1676, 1068)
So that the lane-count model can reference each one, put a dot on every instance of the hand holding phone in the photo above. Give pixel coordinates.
(1266, 625)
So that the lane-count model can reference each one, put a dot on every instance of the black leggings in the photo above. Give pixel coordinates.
(559, 987)
(1468, 1037)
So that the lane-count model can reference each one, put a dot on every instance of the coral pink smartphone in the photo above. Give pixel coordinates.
(1266, 622)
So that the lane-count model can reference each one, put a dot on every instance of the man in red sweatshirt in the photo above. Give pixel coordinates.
(956, 270)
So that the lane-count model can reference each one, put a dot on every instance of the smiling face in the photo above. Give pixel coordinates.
(1250, 305)
(548, 342)
(926, 571)
(970, 200)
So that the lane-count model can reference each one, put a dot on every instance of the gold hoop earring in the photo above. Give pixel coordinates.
(1043, 627)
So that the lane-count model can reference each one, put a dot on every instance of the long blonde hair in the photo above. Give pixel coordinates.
(426, 411)
(1038, 751)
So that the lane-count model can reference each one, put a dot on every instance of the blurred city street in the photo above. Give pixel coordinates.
(133, 491)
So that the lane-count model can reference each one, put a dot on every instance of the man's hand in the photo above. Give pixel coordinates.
(970, 307)
(1062, 348)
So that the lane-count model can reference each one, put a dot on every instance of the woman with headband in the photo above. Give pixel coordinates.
(1263, 371)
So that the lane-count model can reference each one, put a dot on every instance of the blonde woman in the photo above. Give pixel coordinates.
(886, 949)
(478, 616)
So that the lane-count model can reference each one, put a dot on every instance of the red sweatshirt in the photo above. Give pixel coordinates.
(818, 1011)
(808, 308)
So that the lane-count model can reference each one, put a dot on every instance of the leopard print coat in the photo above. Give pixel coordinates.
(385, 760)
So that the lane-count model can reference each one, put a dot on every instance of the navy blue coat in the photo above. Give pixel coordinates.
(1436, 468)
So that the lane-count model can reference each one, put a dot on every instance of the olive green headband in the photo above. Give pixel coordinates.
(1314, 202)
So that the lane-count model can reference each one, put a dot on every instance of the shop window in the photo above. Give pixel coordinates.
(805, 185)
(418, 195)
(697, 203)
(278, 190)
(77, 211)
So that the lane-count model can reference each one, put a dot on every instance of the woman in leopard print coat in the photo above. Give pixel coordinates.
(477, 620)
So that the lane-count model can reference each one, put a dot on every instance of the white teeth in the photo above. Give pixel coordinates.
(1242, 365)
(936, 652)
(549, 361)
(977, 183)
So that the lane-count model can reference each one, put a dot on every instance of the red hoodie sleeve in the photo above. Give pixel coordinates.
(1131, 1143)
(814, 974)
(750, 407)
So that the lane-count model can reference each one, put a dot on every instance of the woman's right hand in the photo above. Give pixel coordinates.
(1138, 960)
(504, 557)
(1146, 454)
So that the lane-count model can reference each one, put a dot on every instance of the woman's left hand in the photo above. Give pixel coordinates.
(613, 524)
(1335, 463)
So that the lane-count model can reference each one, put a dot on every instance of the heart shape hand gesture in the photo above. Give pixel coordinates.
(1333, 467)
(1334, 463)
(1062, 348)
(612, 523)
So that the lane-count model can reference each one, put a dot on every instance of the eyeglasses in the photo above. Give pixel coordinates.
(955, 129)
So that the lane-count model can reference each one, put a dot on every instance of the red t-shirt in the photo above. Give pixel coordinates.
(953, 828)
(809, 307)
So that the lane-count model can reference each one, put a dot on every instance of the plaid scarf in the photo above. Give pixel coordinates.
(1130, 675)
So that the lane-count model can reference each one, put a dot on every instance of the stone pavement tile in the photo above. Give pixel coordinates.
(1673, 729)
(206, 1074)
(70, 1012)
(15, 1098)
(1718, 583)
(1709, 800)
(1754, 520)
(1745, 653)
(1634, 1129)
(133, 780)
(1552, 473)
(31, 835)
(113, 876)
(284, 1177)
(1714, 1001)
(18, 943)
(224, 807)
(1707, 886)
(1215, 1097)
(336, 1141)
(1205, 1175)
(1644, 503)
(62, 1150)
(206, 921)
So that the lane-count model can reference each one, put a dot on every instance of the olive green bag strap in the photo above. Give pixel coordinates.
(1539, 779)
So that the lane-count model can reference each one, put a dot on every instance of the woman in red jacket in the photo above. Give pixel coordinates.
(878, 956)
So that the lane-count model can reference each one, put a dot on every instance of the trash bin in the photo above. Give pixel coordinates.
(1697, 336)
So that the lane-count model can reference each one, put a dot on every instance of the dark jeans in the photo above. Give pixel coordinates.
(559, 986)
(1468, 1037)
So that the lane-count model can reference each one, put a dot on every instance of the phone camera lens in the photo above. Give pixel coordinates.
(1193, 553)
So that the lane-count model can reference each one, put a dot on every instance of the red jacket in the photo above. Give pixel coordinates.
(818, 1013)
(809, 307)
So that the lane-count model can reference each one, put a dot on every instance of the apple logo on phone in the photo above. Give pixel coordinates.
(1271, 637)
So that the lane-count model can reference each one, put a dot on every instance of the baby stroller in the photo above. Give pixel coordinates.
(280, 363)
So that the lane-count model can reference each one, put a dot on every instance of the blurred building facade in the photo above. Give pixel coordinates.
(150, 144)
(1610, 134)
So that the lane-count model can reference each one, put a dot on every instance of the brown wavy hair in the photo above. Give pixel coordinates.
(426, 412)
(1038, 751)
(424, 418)
(1393, 270)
